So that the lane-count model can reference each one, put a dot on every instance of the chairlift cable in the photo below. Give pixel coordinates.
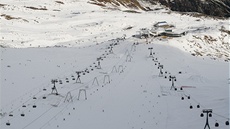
(37, 118)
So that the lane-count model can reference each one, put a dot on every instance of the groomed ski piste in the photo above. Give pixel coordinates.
(113, 81)
(127, 92)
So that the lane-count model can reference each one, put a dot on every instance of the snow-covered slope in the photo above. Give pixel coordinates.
(76, 23)
(127, 92)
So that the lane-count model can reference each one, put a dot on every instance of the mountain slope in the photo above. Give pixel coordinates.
(47, 39)
(128, 92)
(133, 4)
(220, 8)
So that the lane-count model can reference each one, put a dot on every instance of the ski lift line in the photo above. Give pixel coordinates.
(85, 84)
(20, 97)
(12, 118)
(64, 78)
(220, 121)
(39, 92)
(64, 108)
(125, 47)
(89, 81)
(51, 118)
(73, 71)
(192, 98)
(38, 87)
(220, 116)
(119, 61)
(67, 71)
(37, 118)
(206, 108)
(188, 100)
(160, 60)
(19, 106)
(203, 106)
(199, 104)
(26, 108)
(186, 93)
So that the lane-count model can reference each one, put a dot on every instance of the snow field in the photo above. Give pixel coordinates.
(134, 98)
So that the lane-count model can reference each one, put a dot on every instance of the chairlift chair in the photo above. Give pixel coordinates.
(8, 123)
(202, 115)
(227, 122)
(22, 114)
(210, 115)
(216, 124)
(182, 98)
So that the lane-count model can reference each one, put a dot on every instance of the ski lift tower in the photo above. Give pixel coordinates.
(172, 78)
(78, 80)
(99, 63)
(54, 89)
(151, 51)
(208, 114)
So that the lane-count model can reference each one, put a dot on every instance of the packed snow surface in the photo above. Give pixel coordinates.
(120, 84)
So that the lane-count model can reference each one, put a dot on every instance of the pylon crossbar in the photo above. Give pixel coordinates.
(68, 97)
(114, 69)
(79, 94)
(95, 81)
(108, 79)
(120, 68)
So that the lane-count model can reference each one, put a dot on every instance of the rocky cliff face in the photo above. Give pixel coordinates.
(220, 8)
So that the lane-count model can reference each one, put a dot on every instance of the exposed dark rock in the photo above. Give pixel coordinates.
(219, 8)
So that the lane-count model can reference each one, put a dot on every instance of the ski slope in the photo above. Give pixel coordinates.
(127, 91)
(132, 96)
